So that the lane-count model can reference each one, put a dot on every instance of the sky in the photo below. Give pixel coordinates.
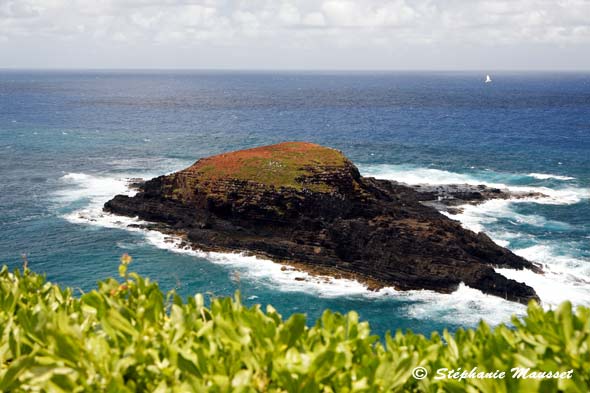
(296, 34)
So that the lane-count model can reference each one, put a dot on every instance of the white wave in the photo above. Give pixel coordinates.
(97, 189)
(546, 176)
(413, 175)
(465, 306)
(476, 217)
(548, 254)
(565, 278)
(562, 196)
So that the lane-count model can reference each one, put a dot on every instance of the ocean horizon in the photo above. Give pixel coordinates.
(71, 140)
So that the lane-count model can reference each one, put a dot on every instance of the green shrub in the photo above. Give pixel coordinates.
(128, 336)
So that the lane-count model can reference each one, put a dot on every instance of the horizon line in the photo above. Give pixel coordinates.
(302, 70)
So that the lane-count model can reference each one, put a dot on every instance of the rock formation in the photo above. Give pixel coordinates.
(306, 204)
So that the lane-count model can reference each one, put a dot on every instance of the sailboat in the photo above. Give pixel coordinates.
(488, 79)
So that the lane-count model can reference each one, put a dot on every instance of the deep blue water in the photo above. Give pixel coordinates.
(67, 139)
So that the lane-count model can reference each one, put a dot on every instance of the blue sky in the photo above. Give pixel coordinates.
(296, 34)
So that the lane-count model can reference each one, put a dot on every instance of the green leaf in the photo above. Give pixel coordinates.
(9, 379)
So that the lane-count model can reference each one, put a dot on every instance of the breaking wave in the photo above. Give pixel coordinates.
(545, 176)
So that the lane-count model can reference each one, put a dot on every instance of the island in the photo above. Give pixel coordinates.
(307, 205)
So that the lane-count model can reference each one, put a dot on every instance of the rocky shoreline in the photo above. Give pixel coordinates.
(307, 206)
(450, 197)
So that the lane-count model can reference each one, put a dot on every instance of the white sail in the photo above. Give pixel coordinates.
(488, 79)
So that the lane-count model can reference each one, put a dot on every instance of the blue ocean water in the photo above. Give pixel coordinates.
(68, 141)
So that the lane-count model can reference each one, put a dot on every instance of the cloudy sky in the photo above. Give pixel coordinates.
(296, 34)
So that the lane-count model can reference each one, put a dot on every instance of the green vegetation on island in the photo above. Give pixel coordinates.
(287, 164)
(129, 336)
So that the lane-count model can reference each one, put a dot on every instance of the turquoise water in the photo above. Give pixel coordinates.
(68, 141)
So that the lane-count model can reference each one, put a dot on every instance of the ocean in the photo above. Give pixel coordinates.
(70, 139)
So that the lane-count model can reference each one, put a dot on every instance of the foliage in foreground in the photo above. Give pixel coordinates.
(128, 336)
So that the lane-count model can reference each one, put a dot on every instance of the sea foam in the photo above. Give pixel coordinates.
(545, 176)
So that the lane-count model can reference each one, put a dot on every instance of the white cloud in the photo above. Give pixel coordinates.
(316, 19)
(347, 13)
(312, 25)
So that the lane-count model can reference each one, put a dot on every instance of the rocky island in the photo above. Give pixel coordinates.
(304, 204)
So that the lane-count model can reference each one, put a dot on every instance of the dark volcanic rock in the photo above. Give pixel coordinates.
(446, 197)
(304, 203)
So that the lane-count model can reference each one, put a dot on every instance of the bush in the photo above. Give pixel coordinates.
(128, 336)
